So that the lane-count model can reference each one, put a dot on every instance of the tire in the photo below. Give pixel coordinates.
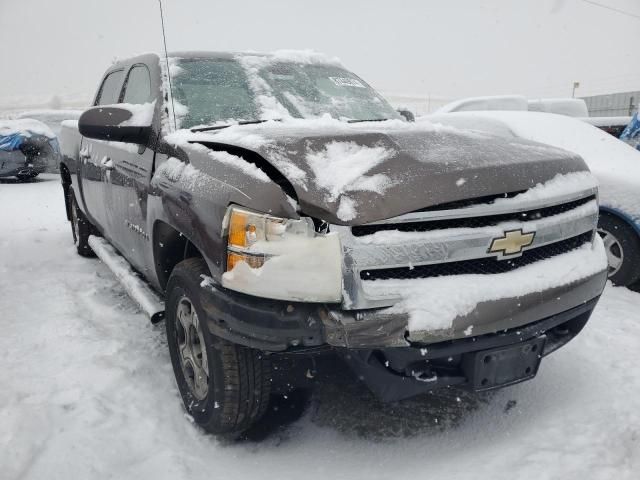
(622, 244)
(26, 178)
(225, 387)
(81, 228)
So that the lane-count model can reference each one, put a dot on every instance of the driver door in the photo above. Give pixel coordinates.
(93, 156)
(129, 175)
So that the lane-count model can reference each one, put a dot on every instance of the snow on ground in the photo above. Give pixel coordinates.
(87, 391)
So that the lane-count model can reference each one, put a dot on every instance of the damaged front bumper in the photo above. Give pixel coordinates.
(477, 363)
(397, 364)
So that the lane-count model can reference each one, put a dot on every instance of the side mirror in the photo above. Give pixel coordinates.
(117, 123)
(407, 114)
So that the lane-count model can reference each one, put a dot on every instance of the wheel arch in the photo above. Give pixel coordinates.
(170, 247)
(625, 217)
(65, 177)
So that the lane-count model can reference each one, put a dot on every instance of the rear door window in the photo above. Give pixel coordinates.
(138, 85)
(110, 89)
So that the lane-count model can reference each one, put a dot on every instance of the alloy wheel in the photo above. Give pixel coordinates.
(613, 248)
(191, 348)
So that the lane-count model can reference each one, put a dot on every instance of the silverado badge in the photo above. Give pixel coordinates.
(512, 242)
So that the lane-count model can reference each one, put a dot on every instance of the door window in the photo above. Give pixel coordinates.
(110, 89)
(138, 85)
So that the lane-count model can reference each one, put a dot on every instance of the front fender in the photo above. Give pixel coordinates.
(193, 196)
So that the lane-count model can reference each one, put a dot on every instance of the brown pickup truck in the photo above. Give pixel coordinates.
(274, 209)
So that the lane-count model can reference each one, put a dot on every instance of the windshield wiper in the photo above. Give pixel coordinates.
(241, 122)
(358, 120)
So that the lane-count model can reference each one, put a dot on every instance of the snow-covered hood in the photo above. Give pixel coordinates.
(359, 173)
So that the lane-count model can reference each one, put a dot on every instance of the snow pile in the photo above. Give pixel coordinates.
(341, 167)
(25, 127)
(141, 114)
(434, 303)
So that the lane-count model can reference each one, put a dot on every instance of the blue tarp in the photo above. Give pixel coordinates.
(631, 134)
(11, 142)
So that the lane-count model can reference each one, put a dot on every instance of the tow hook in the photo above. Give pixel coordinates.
(426, 376)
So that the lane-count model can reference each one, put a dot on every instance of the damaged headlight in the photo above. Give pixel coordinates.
(281, 258)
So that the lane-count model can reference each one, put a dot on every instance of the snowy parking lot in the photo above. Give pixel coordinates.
(87, 390)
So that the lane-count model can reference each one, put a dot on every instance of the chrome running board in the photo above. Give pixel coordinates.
(138, 290)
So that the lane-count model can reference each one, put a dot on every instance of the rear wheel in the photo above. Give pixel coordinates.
(81, 228)
(225, 387)
(622, 245)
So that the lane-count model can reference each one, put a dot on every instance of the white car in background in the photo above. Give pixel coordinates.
(615, 164)
(571, 107)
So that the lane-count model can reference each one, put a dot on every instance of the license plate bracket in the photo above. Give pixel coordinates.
(502, 366)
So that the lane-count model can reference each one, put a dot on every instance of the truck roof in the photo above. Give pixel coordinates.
(293, 56)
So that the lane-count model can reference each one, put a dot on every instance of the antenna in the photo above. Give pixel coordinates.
(166, 59)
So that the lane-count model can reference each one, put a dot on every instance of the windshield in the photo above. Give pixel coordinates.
(210, 91)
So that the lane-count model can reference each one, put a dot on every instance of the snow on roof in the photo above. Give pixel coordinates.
(497, 102)
(26, 126)
(572, 107)
(283, 55)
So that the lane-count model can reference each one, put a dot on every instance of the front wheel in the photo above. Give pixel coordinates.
(225, 387)
(622, 245)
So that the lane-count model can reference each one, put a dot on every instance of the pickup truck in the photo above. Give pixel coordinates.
(274, 209)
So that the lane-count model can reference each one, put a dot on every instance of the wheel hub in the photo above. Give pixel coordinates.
(191, 349)
(613, 248)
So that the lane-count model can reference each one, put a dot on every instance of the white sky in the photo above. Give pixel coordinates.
(445, 48)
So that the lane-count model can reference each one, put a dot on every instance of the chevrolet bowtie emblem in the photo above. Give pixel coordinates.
(512, 243)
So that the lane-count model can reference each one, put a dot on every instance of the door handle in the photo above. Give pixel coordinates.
(107, 163)
(84, 154)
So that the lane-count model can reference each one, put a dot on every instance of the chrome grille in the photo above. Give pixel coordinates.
(479, 265)
(433, 243)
